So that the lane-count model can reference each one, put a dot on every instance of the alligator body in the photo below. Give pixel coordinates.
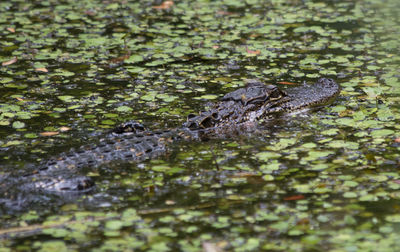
(132, 142)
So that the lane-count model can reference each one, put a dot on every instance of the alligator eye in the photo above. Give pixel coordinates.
(207, 122)
(327, 82)
(139, 127)
(192, 126)
(276, 94)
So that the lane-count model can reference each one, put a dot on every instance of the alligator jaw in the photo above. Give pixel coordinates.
(323, 92)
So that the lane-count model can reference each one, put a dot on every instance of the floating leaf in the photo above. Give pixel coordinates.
(49, 133)
(18, 125)
(9, 62)
(124, 109)
(66, 98)
(42, 69)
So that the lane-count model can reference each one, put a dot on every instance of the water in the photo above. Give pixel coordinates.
(321, 180)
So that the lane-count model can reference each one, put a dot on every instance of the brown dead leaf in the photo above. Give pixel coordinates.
(254, 35)
(256, 52)
(121, 58)
(286, 83)
(294, 197)
(165, 5)
(244, 174)
(19, 99)
(10, 29)
(225, 13)
(42, 69)
(304, 221)
(170, 202)
(11, 61)
(90, 12)
(63, 129)
(210, 247)
(49, 133)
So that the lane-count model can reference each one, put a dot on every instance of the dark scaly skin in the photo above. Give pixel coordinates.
(132, 142)
(236, 108)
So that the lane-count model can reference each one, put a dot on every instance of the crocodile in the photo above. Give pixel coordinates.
(132, 142)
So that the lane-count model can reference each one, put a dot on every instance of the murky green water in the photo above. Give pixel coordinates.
(326, 180)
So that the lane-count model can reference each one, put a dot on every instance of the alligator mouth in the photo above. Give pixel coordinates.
(322, 93)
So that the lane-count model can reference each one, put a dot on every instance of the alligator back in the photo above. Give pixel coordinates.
(62, 173)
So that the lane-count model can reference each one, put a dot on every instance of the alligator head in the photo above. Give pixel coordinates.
(260, 101)
(235, 106)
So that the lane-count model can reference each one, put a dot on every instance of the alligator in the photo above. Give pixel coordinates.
(132, 142)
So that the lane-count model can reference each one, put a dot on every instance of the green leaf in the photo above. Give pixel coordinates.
(18, 125)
